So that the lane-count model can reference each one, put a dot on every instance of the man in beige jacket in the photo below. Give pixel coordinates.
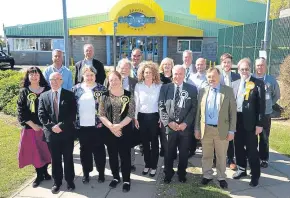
(215, 125)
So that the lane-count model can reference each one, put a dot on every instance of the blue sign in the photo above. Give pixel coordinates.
(136, 19)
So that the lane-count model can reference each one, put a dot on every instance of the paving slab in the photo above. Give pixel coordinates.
(253, 193)
(281, 190)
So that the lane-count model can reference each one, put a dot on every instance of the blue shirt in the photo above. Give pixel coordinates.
(212, 106)
(199, 80)
(66, 74)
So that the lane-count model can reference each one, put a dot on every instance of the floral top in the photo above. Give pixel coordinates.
(97, 92)
(117, 107)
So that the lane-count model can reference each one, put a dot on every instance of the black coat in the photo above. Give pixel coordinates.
(66, 116)
(254, 107)
(100, 76)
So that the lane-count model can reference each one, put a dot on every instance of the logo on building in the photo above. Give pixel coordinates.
(136, 19)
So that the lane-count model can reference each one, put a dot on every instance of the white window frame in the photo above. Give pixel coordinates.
(189, 40)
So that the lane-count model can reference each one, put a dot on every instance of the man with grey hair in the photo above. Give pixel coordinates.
(90, 61)
(57, 58)
(272, 91)
(136, 59)
(187, 64)
(177, 110)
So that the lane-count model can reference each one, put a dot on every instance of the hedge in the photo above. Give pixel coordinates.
(10, 81)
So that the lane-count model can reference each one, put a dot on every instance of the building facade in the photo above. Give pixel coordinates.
(160, 28)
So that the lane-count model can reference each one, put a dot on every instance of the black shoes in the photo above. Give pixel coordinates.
(182, 179)
(133, 168)
(145, 171)
(152, 172)
(205, 181)
(239, 174)
(114, 183)
(101, 179)
(264, 164)
(71, 186)
(223, 184)
(167, 180)
(86, 179)
(55, 188)
(126, 187)
(214, 163)
(254, 182)
(36, 182)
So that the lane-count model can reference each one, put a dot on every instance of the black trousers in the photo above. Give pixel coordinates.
(149, 129)
(92, 146)
(231, 151)
(174, 140)
(248, 139)
(192, 143)
(264, 139)
(115, 147)
(161, 137)
(60, 147)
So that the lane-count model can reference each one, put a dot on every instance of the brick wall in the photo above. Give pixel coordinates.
(99, 43)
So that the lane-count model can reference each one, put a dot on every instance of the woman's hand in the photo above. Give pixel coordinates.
(35, 127)
(136, 123)
(117, 127)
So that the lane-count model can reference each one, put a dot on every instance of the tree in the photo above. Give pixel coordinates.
(276, 7)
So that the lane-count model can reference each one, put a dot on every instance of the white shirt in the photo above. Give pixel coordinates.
(126, 84)
(87, 108)
(146, 98)
(227, 78)
(198, 79)
(58, 97)
(241, 94)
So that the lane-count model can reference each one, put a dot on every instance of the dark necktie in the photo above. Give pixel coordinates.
(176, 100)
(55, 105)
(187, 74)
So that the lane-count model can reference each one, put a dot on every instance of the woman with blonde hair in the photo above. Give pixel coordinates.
(165, 69)
(146, 115)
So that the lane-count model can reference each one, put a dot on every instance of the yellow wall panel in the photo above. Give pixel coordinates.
(160, 28)
(203, 8)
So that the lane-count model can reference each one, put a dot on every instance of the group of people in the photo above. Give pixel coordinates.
(146, 105)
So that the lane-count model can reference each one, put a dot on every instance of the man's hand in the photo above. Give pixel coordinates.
(197, 134)
(230, 136)
(173, 126)
(160, 123)
(182, 126)
(259, 130)
(56, 129)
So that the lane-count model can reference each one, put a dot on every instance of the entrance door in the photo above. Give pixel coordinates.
(148, 46)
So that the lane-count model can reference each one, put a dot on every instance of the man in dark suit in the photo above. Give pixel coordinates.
(250, 97)
(57, 112)
(90, 61)
(227, 78)
(177, 109)
(128, 83)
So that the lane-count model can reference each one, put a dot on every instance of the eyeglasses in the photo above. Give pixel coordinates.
(136, 55)
(245, 69)
(54, 79)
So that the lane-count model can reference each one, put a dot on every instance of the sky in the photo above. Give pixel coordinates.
(18, 12)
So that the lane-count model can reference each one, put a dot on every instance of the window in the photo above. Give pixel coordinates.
(45, 44)
(27, 44)
(193, 45)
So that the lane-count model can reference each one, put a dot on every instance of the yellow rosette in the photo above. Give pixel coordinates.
(98, 94)
(31, 98)
(124, 100)
(249, 86)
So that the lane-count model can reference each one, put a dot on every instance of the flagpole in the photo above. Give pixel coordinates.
(65, 33)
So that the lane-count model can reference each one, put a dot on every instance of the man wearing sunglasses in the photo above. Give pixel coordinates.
(250, 97)
(272, 91)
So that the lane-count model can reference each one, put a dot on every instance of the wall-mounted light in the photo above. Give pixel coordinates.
(100, 29)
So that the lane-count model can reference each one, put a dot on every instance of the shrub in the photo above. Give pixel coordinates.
(9, 88)
(7, 73)
(11, 107)
(284, 79)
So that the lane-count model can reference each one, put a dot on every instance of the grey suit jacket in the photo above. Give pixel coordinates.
(234, 77)
(166, 106)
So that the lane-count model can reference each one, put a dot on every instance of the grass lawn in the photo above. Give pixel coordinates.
(192, 188)
(280, 137)
(11, 176)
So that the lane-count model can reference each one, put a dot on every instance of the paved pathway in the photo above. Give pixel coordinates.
(274, 182)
